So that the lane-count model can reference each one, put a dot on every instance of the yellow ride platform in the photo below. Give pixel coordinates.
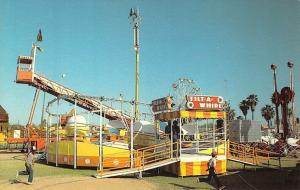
(88, 154)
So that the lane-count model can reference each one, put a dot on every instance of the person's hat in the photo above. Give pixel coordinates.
(175, 122)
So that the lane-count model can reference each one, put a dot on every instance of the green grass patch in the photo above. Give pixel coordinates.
(9, 168)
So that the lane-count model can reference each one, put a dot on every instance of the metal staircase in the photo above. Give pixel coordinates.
(247, 155)
(144, 159)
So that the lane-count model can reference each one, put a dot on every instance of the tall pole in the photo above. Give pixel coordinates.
(43, 109)
(180, 135)
(131, 143)
(75, 135)
(134, 14)
(172, 142)
(101, 140)
(291, 65)
(57, 133)
(48, 125)
(33, 54)
(275, 96)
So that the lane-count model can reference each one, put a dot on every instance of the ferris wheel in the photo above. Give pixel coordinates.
(180, 89)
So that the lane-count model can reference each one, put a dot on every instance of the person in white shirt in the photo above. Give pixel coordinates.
(211, 165)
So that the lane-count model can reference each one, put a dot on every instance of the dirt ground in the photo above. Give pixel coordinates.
(79, 183)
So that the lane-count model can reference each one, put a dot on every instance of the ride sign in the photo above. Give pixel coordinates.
(162, 104)
(203, 102)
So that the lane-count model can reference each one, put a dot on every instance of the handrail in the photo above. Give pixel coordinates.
(152, 146)
(144, 156)
(246, 153)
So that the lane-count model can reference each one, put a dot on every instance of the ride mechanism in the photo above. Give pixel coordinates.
(26, 75)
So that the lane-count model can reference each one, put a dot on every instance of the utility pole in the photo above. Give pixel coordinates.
(134, 14)
(291, 65)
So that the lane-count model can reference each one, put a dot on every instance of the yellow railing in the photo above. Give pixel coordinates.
(241, 152)
(246, 153)
(158, 153)
(141, 157)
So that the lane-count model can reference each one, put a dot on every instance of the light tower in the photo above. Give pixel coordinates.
(134, 14)
(290, 66)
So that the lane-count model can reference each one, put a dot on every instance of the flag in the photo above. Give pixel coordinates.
(39, 37)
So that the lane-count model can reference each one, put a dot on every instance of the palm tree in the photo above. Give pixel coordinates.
(252, 101)
(230, 113)
(268, 113)
(244, 107)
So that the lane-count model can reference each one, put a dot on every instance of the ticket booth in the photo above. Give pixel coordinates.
(202, 126)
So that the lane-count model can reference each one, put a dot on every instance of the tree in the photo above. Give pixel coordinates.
(244, 107)
(268, 113)
(252, 101)
(230, 113)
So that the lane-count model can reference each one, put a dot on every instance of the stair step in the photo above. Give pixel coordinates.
(135, 170)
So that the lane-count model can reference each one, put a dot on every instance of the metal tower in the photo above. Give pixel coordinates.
(134, 14)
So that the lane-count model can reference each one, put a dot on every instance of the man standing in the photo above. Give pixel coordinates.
(176, 136)
(168, 130)
(212, 163)
(29, 159)
(176, 131)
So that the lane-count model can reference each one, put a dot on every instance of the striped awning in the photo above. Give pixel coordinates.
(193, 114)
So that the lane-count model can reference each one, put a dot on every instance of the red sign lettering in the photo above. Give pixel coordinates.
(204, 102)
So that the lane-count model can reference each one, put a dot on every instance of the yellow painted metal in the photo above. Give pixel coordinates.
(81, 130)
(213, 114)
(219, 149)
(197, 167)
(147, 155)
(85, 149)
(244, 153)
(194, 114)
(2, 137)
(123, 132)
(224, 166)
(199, 114)
(182, 169)
(184, 114)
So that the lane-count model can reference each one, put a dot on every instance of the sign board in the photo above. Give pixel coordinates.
(162, 104)
(17, 134)
(203, 102)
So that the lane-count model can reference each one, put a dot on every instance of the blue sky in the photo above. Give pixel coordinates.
(226, 46)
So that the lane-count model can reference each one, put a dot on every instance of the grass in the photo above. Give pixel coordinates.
(237, 178)
(9, 167)
(258, 177)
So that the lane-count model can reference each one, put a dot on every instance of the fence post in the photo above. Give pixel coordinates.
(254, 156)
(178, 149)
(244, 153)
(143, 158)
(268, 159)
